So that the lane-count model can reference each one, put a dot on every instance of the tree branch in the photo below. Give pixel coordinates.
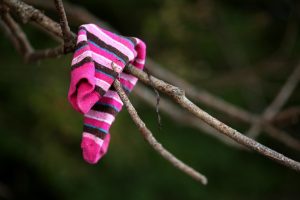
(287, 116)
(180, 116)
(28, 13)
(22, 44)
(69, 44)
(153, 142)
(200, 95)
(15, 33)
(278, 102)
(76, 13)
(178, 96)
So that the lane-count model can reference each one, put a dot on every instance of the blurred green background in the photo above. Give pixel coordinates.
(242, 51)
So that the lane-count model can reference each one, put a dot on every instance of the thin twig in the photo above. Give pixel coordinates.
(28, 13)
(278, 102)
(200, 95)
(178, 96)
(153, 142)
(157, 100)
(77, 14)
(21, 42)
(66, 32)
(288, 116)
(181, 116)
(11, 37)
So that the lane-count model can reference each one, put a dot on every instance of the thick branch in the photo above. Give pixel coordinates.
(202, 96)
(27, 13)
(178, 96)
(77, 14)
(180, 116)
(153, 142)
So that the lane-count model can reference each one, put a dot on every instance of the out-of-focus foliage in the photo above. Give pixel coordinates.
(241, 51)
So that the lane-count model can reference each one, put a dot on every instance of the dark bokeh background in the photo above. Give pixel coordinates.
(241, 51)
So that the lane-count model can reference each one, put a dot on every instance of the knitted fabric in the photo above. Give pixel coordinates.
(92, 74)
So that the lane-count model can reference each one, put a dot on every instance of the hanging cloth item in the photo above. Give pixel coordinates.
(100, 57)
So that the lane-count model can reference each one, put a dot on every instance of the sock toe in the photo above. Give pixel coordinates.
(105, 145)
(90, 150)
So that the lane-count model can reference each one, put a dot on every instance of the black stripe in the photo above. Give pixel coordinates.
(110, 48)
(81, 44)
(104, 108)
(132, 40)
(100, 90)
(106, 70)
(82, 62)
(94, 131)
(125, 90)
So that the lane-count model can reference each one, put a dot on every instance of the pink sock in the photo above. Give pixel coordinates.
(91, 78)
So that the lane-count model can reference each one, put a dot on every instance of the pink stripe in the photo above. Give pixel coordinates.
(126, 84)
(97, 58)
(108, 40)
(81, 32)
(106, 54)
(80, 57)
(99, 141)
(104, 85)
(119, 39)
(97, 123)
(104, 77)
(112, 102)
(105, 62)
(128, 77)
(81, 36)
(80, 51)
(102, 116)
(141, 50)
(138, 65)
(114, 95)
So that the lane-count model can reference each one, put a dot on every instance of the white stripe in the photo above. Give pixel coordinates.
(99, 141)
(81, 56)
(103, 84)
(140, 61)
(129, 78)
(113, 95)
(106, 62)
(100, 34)
(109, 118)
(98, 58)
(131, 56)
(81, 38)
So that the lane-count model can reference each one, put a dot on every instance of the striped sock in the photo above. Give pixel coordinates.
(91, 91)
